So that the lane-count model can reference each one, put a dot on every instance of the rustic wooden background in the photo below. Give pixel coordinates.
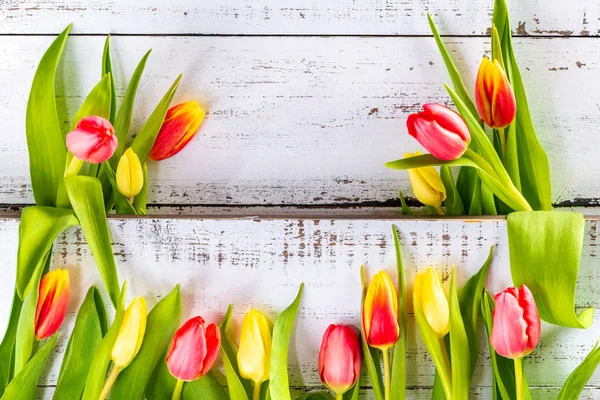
(306, 100)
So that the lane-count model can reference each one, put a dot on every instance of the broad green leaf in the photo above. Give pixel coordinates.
(141, 200)
(86, 198)
(466, 184)
(488, 203)
(107, 70)
(580, 376)
(163, 321)
(83, 343)
(206, 388)
(239, 388)
(45, 141)
(545, 252)
(101, 358)
(454, 205)
(38, 229)
(476, 202)
(282, 332)
(459, 347)
(315, 396)
(370, 355)
(7, 347)
(398, 374)
(24, 385)
(144, 141)
(405, 208)
(98, 102)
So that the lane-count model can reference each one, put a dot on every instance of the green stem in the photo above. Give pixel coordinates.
(178, 390)
(339, 396)
(502, 136)
(110, 381)
(519, 378)
(445, 378)
(387, 379)
(73, 167)
(256, 392)
(440, 210)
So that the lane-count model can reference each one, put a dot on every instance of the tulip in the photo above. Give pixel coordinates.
(181, 124)
(494, 95)
(340, 359)
(427, 185)
(93, 140)
(193, 352)
(130, 175)
(429, 294)
(440, 130)
(52, 303)
(380, 313)
(254, 354)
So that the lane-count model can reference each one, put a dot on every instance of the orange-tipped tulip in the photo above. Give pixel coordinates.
(494, 95)
(52, 303)
(181, 124)
(194, 350)
(340, 358)
(380, 313)
(516, 323)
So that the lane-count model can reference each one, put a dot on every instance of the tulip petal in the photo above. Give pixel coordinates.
(530, 315)
(186, 354)
(53, 301)
(509, 336)
(213, 344)
(380, 312)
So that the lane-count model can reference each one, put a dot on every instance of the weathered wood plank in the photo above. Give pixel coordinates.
(269, 258)
(304, 121)
(364, 17)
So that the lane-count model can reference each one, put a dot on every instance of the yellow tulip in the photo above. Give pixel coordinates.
(429, 294)
(130, 175)
(131, 333)
(254, 354)
(427, 184)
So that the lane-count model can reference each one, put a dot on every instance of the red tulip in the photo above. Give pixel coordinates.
(194, 350)
(380, 313)
(93, 140)
(440, 130)
(52, 303)
(494, 95)
(180, 125)
(516, 323)
(340, 358)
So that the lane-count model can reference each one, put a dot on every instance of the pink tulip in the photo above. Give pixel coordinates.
(93, 140)
(516, 328)
(340, 358)
(440, 130)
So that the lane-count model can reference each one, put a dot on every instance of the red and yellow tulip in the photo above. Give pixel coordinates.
(380, 313)
(494, 95)
(52, 303)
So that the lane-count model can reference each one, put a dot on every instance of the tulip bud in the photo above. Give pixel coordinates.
(181, 124)
(429, 294)
(340, 358)
(193, 350)
(516, 323)
(440, 130)
(52, 303)
(130, 175)
(254, 354)
(380, 313)
(131, 333)
(93, 140)
(427, 184)
(494, 95)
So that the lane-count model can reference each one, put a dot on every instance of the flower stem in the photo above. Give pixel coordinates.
(178, 390)
(446, 383)
(110, 381)
(502, 136)
(387, 379)
(73, 167)
(256, 392)
(519, 378)
(440, 210)
(339, 396)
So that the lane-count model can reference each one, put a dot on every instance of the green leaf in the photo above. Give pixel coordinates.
(488, 202)
(141, 200)
(38, 229)
(466, 183)
(405, 208)
(208, 387)
(239, 388)
(86, 198)
(282, 332)
(315, 396)
(98, 102)
(24, 386)
(163, 321)
(477, 202)
(459, 347)
(580, 376)
(548, 263)
(83, 343)
(398, 374)
(101, 360)
(7, 347)
(45, 141)
(107, 70)
(454, 205)
(371, 357)
(144, 141)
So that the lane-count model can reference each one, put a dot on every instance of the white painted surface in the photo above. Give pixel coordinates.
(305, 121)
(269, 258)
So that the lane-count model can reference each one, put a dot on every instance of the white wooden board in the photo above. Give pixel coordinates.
(304, 17)
(305, 121)
(270, 257)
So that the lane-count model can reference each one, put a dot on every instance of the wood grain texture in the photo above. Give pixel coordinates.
(270, 257)
(304, 121)
(299, 17)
